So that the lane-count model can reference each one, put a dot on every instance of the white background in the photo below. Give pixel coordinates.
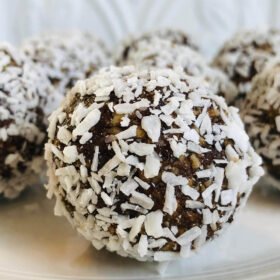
(209, 21)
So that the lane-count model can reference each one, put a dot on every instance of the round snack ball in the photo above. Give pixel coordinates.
(245, 55)
(161, 53)
(67, 57)
(261, 115)
(148, 164)
(22, 121)
(132, 44)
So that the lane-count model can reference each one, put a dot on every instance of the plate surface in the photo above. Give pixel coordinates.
(34, 244)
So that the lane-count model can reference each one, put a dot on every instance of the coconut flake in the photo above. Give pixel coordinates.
(231, 153)
(165, 256)
(64, 135)
(152, 166)
(85, 138)
(206, 125)
(227, 197)
(186, 109)
(192, 204)
(133, 207)
(123, 169)
(94, 184)
(109, 165)
(110, 106)
(141, 149)
(191, 192)
(209, 190)
(170, 204)
(142, 200)
(193, 147)
(207, 216)
(162, 81)
(177, 148)
(132, 160)
(85, 197)
(88, 122)
(67, 171)
(128, 108)
(124, 146)
(206, 173)
(136, 227)
(57, 152)
(152, 126)
(238, 135)
(143, 246)
(125, 121)
(218, 180)
(106, 198)
(201, 239)
(117, 150)
(170, 107)
(236, 174)
(153, 223)
(143, 184)
(171, 179)
(157, 243)
(128, 133)
(188, 236)
(108, 180)
(70, 154)
(128, 187)
(94, 164)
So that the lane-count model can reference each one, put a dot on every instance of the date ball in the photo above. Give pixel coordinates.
(244, 56)
(132, 44)
(161, 53)
(66, 57)
(23, 89)
(148, 164)
(261, 115)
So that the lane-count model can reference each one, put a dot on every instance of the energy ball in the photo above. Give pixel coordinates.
(175, 37)
(66, 57)
(22, 121)
(162, 53)
(148, 164)
(261, 115)
(244, 56)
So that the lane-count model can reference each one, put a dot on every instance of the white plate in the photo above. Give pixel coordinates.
(36, 245)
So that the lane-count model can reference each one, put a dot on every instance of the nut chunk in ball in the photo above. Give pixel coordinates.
(261, 115)
(148, 164)
(245, 55)
(22, 121)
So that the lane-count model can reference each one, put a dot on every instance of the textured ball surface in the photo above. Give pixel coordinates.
(23, 90)
(245, 55)
(261, 115)
(66, 57)
(148, 164)
(132, 44)
(162, 53)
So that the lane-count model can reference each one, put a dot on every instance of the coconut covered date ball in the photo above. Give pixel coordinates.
(161, 53)
(22, 121)
(245, 55)
(67, 57)
(132, 44)
(261, 115)
(148, 164)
